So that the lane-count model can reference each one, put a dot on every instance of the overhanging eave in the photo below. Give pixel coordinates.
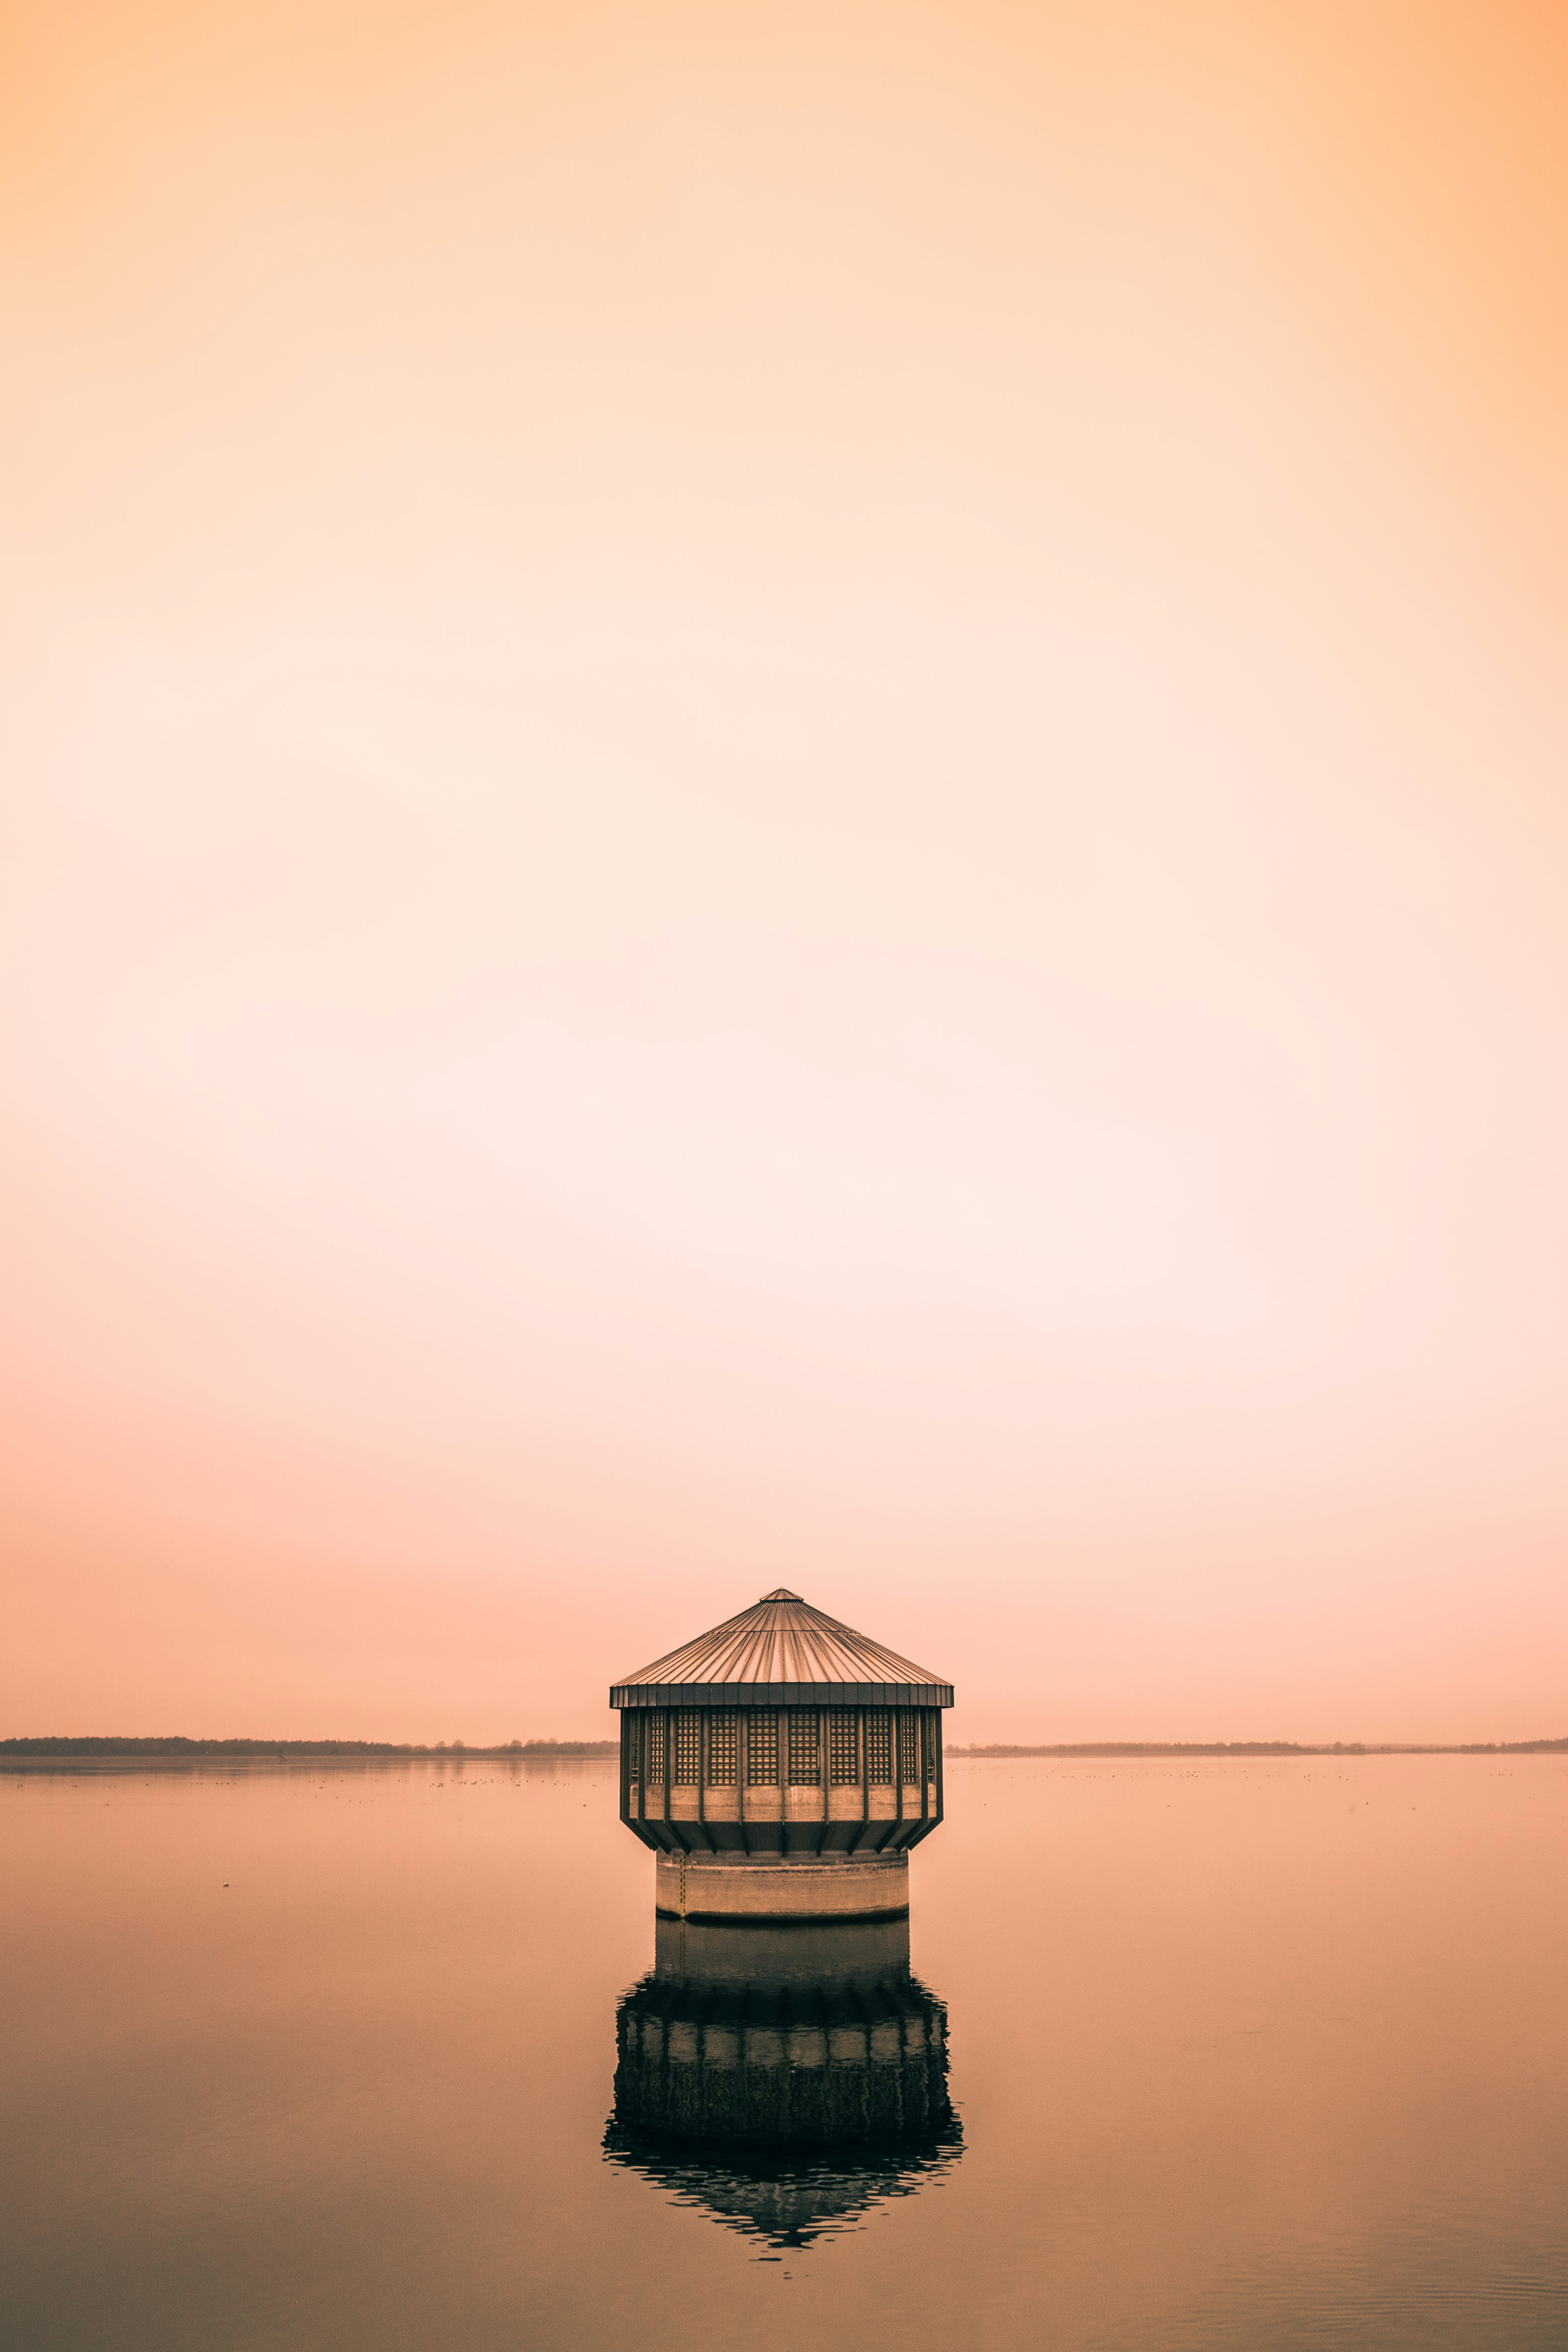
(781, 1695)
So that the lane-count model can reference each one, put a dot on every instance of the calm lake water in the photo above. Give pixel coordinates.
(1176, 2056)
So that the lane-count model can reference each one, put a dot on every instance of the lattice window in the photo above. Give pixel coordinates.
(722, 1749)
(763, 1751)
(653, 1726)
(908, 1745)
(805, 1767)
(688, 1747)
(634, 1747)
(879, 1747)
(843, 1745)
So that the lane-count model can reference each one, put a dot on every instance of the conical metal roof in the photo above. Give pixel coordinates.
(781, 1653)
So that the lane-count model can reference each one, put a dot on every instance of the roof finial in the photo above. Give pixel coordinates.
(780, 1592)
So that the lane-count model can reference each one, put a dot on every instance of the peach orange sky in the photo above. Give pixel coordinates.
(786, 804)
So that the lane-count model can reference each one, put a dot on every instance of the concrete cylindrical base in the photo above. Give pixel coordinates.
(724, 1886)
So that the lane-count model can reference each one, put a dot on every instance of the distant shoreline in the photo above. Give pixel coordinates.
(377, 1751)
(349, 1751)
(1244, 1748)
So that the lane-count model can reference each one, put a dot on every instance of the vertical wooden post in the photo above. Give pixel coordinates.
(672, 1841)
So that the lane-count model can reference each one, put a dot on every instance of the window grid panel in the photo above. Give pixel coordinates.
(763, 1751)
(722, 1749)
(634, 1747)
(805, 1769)
(687, 1746)
(909, 1746)
(655, 1727)
(879, 1748)
(843, 1747)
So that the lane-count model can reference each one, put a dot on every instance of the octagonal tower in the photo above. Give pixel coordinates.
(782, 1766)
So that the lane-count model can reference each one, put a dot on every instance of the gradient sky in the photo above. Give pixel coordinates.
(785, 804)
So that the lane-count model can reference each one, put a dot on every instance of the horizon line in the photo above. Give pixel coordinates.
(177, 1743)
(1272, 1748)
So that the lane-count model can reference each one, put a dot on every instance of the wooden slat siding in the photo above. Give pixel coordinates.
(818, 1831)
(922, 1758)
(927, 1730)
(627, 1775)
(654, 1829)
(673, 1841)
(704, 1728)
(642, 1777)
(637, 1725)
(909, 1832)
(872, 1833)
(660, 1834)
(743, 1766)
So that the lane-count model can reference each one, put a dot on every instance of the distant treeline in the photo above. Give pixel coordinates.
(1274, 1748)
(366, 1750)
(371, 1751)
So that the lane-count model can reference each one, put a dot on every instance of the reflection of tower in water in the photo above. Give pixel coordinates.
(783, 2079)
